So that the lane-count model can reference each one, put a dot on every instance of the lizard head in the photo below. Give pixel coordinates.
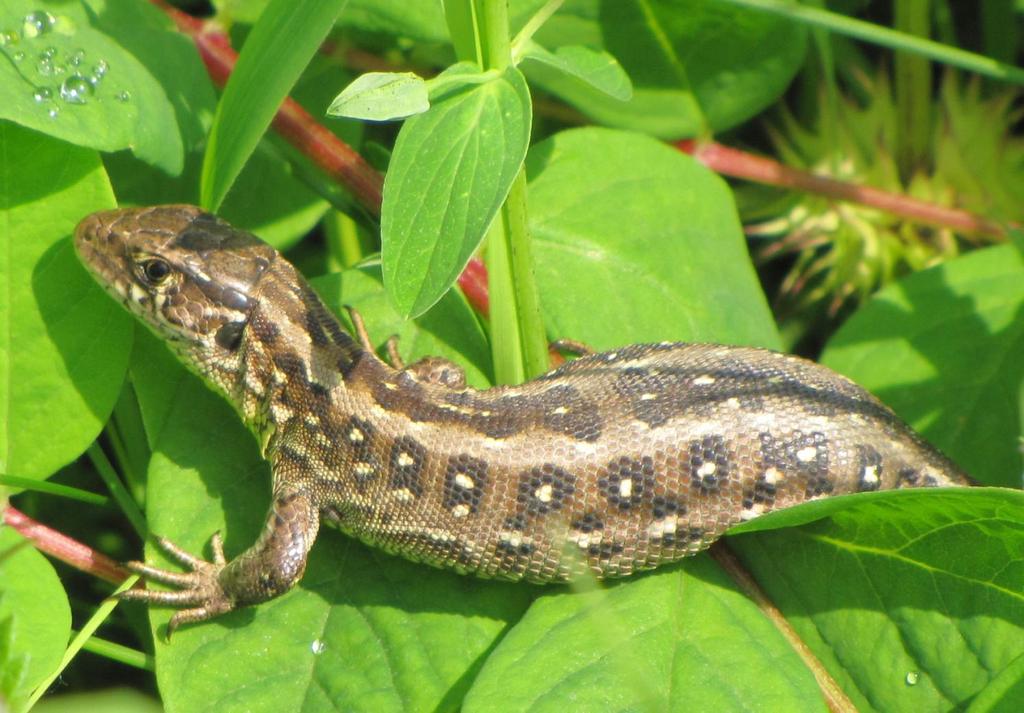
(187, 274)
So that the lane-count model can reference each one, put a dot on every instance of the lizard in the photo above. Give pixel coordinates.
(612, 463)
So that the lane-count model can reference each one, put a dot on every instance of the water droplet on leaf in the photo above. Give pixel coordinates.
(42, 94)
(8, 37)
(18, 56)
(124, 96)
(38, 22)
(76, 89)
(912, 678)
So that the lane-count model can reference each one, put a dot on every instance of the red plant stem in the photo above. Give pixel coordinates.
(473, 283)
(64, 548)
(295, 124)
(740, 164)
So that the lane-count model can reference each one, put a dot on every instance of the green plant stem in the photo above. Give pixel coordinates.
(518, 345)
(117, 489)
(531, 27)
(913, 86)
(518, 340)
(63, 491)
(492, 29)
(120, 653)
(892, 39)
(344, 248)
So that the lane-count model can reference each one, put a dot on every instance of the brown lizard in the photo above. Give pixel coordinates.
(612, 463)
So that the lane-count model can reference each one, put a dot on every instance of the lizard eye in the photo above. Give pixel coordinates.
(155, 270)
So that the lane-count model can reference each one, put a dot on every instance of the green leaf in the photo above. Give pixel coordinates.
(96, 92)
(33, 600)
(912, 600)
(680, 639)
(420, 634)
(942, 348)
(637, 242)
(63, 342)
(597, 69)
(697, 67)
(449, 174)
(275, 53)
(382, 96)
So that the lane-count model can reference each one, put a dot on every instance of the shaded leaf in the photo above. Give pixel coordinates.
(598, 69)
(63, 342)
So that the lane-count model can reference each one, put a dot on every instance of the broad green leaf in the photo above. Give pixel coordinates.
(74, 81)
(108, 700)
(679, 639)
(363, 631)
(275, 53)
(382, 96)
(1004, 693)
(696, 67)
(943, 348)
(449, 174)
(63, 342)
(597, 69)
(913, 601)
(13, 663)
(636, 242)
(33, 600)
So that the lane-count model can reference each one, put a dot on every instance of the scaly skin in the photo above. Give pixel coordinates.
(613, 463)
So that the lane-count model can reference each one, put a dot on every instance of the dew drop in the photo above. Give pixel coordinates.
(76, 89)
(18, 56)
(912, 678)
(42, 94)
(37, 23)
(53, 113)
(318, 646)
(76, 57)
(48, 53)
(124, 96)
(8, 37)
(45, 67)
(100, 69)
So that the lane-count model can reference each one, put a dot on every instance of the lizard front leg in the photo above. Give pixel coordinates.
(269, 568)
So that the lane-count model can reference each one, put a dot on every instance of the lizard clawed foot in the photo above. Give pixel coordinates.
(199, 590)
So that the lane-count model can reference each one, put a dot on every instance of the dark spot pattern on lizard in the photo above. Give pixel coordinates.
(545, 489)
(627, 482)
(464, 482)
(709, 463)
(405, 465)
